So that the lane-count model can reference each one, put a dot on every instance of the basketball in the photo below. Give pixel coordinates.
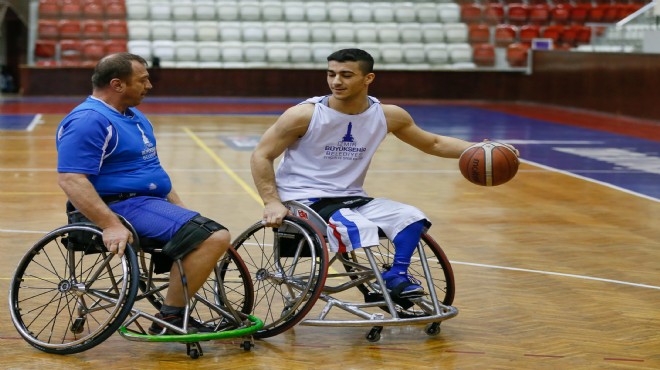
(488, 163)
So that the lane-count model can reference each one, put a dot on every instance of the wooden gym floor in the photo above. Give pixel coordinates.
(557, 269)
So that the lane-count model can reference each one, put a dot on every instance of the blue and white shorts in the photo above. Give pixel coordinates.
(353, 228)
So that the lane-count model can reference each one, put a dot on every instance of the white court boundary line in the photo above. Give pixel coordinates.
(591, 180)
(583, 277)
(35, 121)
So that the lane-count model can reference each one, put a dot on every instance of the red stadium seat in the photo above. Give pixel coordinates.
(597, 13)
(44, 48)
(516, 54)
(505, 34)
(584, 36)
(70, 9)
(529, 32)
(48, 29)
(93, 29)
(518, 13)
(69, 28)
(70, 50)
(92, 50)
(116, 29)
(47, 63)
(71, 63)
(115, 10)
(627, 9)
(471, 13)
(93, 9)
(478, 33)
(611, 13)
(560, 13)
(483, 55)
(115, 46)
(569, 36)
(539, 14)
(580, 13)
(493, 13)
(49, 9)
(553, 32)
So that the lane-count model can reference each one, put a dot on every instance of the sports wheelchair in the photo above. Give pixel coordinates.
(68, 293)
(289, 266)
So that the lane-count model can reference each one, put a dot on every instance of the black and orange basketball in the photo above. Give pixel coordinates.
(488, 163)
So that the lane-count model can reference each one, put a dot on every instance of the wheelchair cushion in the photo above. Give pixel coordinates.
(81, 240)
(288, 243)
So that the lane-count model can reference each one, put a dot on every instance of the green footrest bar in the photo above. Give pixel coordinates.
(197, 337)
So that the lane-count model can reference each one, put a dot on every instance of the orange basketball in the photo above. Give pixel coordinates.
(488, 163)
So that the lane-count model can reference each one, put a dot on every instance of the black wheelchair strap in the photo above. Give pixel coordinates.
(326, 207)
(107, 199)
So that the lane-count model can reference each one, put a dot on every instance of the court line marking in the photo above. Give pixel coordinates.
(583, 277)
(35, 121)
(223, 165)
(611, 186)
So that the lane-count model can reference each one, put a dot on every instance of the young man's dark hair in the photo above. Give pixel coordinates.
(364, 59)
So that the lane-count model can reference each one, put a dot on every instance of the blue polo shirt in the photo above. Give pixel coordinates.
(117, 151)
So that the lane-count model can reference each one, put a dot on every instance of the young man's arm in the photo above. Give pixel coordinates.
(288, 128)
(402, 125)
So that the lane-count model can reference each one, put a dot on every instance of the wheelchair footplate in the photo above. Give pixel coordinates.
(249, 327)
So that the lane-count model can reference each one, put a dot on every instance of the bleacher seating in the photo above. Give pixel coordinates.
(400, 34)
(79, 32)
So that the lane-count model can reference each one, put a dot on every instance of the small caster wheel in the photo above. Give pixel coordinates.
(433, 328)
(374, 334)
(194, 350)
(78, 325)
(247, 345)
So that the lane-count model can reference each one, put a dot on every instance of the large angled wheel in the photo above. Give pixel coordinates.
(288, 266)
(69, 293)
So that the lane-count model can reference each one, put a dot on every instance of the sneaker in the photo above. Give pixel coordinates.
(194, 326)
(402, 285)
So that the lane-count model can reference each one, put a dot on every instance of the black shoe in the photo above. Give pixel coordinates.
(402, 285)
(194, 326)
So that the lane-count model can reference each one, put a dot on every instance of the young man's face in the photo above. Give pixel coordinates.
(346, 79)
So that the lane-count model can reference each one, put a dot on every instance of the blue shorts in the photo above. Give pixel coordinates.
(152, 217)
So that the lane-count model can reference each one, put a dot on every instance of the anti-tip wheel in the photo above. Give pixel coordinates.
(433, 328)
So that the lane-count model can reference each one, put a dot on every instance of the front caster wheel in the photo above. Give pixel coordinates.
(374, 334)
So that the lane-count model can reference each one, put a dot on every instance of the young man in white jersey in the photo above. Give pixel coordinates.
(328, 143)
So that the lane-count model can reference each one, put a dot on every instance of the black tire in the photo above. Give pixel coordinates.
(69, 293)
(282, 299)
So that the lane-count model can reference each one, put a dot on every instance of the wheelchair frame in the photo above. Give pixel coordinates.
(68, 294)
(289, 267)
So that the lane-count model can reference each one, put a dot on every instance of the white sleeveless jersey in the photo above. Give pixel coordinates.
(332, 158)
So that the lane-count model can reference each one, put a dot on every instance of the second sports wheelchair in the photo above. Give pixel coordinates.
(291, 270)
(69, 294)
